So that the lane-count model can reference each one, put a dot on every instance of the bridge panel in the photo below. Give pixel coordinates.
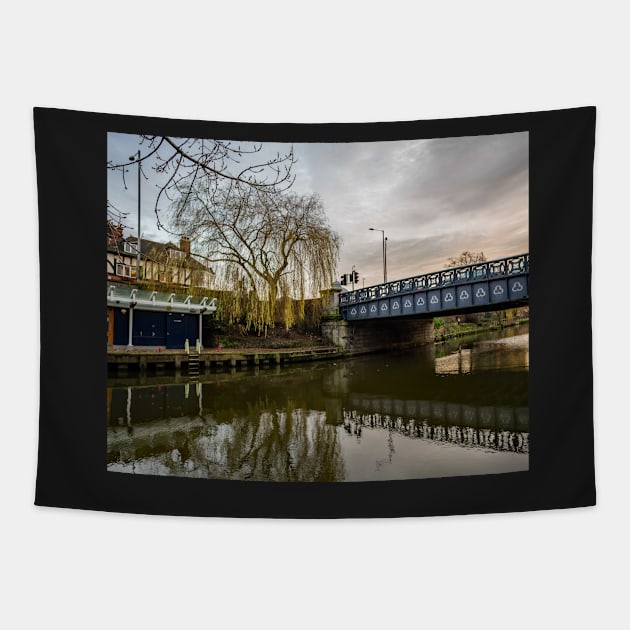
(486, 417)
(395, 305)
(481, 293)
(517, 288)
(435, 303)
(438, 410)
(469, 414)
(453, 413)
(498, 291)
(420, 304)
(448, 298)
(505, 417)
(464, 296)
(407, 305)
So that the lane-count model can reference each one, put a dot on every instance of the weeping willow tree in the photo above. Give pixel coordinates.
(269, 249)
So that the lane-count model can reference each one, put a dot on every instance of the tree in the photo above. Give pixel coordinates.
(466, 258)
(183, 162)
(265, 245)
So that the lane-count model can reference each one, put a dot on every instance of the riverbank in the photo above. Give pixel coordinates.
(156, 360)
(280, 350)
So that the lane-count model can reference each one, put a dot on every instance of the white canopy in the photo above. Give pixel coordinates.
(127, 297)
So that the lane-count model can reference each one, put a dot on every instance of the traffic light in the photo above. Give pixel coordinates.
(355, 277)
(344, 279)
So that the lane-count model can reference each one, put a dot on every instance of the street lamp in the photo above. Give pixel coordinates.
(137, 159)
(384, 252)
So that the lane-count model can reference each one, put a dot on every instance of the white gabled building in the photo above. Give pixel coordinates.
(161, 264)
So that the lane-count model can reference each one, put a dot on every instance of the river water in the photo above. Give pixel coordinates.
(460, 408)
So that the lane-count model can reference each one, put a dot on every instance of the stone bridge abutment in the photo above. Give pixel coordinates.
(373, 335)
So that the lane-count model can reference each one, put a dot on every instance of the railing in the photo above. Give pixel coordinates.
(448, 277)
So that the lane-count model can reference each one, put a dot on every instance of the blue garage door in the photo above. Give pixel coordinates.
(180, 327)
(149, 328)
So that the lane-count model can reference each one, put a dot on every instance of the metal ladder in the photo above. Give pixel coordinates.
(193, 364)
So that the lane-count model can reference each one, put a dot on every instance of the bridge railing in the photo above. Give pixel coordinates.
(500, 268)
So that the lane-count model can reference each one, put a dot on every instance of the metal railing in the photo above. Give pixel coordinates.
(453, 276)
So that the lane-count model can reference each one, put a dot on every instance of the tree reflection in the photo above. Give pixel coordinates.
(285, 445)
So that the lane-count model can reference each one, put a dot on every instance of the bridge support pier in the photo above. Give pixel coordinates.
(372, 335)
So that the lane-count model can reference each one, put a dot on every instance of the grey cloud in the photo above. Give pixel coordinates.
(435, 198)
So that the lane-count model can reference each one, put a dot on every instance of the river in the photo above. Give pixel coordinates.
(460, 408)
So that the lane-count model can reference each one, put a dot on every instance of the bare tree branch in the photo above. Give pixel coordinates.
(218, 162)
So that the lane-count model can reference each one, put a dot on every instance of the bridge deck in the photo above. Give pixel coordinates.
(480, 286)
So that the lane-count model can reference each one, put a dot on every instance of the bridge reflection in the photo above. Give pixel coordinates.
(494, 437)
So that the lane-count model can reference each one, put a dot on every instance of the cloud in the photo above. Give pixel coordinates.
(433, 197)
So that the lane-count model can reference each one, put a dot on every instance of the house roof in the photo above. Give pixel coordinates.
(157, 252)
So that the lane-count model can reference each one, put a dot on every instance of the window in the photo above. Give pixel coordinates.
(174, 253)
(126, 271)
(129, 248)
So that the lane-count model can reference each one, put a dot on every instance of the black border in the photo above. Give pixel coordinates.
(71, 179)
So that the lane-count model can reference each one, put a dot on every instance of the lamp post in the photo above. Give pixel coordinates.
(384, 252)
(137, 159)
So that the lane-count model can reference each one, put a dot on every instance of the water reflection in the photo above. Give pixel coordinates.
(390, 416)
(495, 438)
(492, 353)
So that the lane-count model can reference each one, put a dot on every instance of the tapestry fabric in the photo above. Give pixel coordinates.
(315, 320)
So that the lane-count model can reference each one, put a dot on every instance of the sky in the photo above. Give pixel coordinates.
(434, 198)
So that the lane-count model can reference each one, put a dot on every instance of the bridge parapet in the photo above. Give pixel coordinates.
(465, 287)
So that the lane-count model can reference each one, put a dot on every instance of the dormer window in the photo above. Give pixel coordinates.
(176, 254)
(129, 248)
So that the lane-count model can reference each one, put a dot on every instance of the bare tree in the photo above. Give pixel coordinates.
(466, 258)
(272, 245)
(183, 162)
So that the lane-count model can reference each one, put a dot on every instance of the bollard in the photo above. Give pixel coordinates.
(186, 347)
(198, 346)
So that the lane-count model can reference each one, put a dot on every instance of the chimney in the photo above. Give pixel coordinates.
(184, 245)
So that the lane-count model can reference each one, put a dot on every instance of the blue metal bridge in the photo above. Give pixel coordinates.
(482, 286)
